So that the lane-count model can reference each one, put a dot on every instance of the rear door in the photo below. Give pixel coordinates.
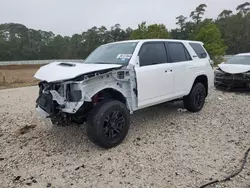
(182, 67)
(154, 74)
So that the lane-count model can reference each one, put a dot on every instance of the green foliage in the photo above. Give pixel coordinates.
(225, 14)
(157, 31)
(211, 37)
(20, 43)
(181, 22)
(244, 7)
(235, 30)
(197, 14)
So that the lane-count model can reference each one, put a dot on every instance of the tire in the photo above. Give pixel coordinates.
(108, 123)
(194, 102)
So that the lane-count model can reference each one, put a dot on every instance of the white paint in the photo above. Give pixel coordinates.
(156, 86)
(154, 83)
(243, 54)
(234, 68)
(55, 72)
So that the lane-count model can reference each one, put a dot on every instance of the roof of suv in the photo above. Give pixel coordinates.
(149, 40)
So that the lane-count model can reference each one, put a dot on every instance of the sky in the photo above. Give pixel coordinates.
(67, 17)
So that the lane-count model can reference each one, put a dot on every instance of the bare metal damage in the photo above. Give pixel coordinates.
(121, 80)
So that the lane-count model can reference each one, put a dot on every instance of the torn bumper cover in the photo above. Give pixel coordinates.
(232, 81)
(46, 105)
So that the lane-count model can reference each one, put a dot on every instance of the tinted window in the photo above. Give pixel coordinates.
(178, 52)
(153, 53)
(198, 50)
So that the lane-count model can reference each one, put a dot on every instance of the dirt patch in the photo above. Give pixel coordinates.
(12, 76)
(26, 129)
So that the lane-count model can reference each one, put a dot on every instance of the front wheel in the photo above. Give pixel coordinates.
(194, 102)
(108, 123)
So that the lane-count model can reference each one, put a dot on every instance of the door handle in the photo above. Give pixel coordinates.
(168, 70)
(191, 67)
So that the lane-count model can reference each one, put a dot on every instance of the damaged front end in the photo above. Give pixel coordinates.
(62, 101)
(239, 81)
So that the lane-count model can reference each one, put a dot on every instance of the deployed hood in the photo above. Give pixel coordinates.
(234, 68)
(58, 71)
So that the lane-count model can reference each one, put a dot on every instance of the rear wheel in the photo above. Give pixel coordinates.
(194, 102)
(108, 123)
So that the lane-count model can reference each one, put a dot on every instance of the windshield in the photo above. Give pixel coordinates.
(114, 53)
(241, 60)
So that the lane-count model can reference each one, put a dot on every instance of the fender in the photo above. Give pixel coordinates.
(196, 75)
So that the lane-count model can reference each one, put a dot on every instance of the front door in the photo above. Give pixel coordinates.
(154, 75)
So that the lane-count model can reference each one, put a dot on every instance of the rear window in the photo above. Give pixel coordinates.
(199, 50)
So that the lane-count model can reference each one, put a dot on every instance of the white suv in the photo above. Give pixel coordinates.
(119, 78)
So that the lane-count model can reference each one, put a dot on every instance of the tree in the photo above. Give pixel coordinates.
(211, 37)
(158, 31)
(243, 8)
(195, 28)
(235, 32)
(225, 14)
(181, 22)
(197, 14)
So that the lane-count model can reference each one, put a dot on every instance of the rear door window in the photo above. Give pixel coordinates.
(177, 52)
(153, 53)
(199, 50)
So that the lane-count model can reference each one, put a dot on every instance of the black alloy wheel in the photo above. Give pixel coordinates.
(194, 102)
(113, 125)
(108, 123)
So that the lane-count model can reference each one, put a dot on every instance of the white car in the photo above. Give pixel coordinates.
(234, 73)
(119, 78)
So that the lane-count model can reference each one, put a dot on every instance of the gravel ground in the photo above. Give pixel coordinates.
(165, 147)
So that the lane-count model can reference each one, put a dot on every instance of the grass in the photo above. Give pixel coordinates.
(12, 76)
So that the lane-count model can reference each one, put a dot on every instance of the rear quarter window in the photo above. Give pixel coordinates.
(199, 50)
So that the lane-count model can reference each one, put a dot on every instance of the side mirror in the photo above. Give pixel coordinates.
(211, 62)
